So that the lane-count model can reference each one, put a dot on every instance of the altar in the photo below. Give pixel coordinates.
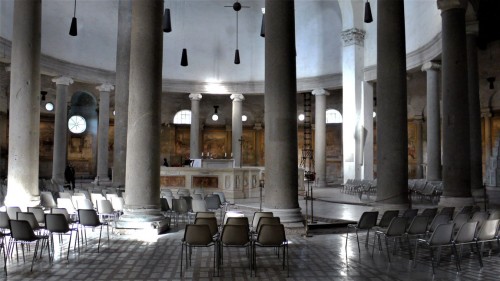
(236, 183)
(213, 163)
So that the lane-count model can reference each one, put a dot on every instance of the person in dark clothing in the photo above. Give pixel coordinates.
(69, 175)
(165, 163)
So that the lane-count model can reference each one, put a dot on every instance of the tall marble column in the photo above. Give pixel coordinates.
(60, 128)
(121, 91)
(486, 114)
(368, 131)
(142, 178)
(24, 107)
(392, 126)
(280, 102)
(433, 121)
(476, 162)
(419, 149)
(194, 139)
(456, 133)
(237, 128)
(352, 81)
(103, 131)
(320, 136)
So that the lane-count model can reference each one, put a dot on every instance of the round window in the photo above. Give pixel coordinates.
(77, 124)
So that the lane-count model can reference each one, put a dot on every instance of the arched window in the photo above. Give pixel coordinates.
(183, 117)
(333, 116)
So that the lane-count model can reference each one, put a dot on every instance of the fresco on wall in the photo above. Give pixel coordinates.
(46, 140)
(248, 148)
(412, 142)
(173, 181)
(205, 182)
(181, 144)
(334, 142)
(215, 142)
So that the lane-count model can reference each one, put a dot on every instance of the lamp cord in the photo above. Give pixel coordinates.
(74, 10)
(236, 30)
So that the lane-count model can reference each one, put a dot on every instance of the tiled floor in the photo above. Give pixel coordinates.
(320, 257)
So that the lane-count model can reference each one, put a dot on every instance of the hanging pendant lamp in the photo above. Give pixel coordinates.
(167, 25)
(237, 56)
(73, 28)
(184, 57)
(237, 7)
(368, 12)
(263, 25)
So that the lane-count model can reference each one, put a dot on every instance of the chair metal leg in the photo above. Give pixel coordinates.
(182, 254)
(357, 239)
(432, 260)
(387, 248)
(479, 254)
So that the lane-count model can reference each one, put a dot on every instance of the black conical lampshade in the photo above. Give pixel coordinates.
(167, 25)
(368, 12)
(237, 56)
(73, 29)
(263, 27)
(184, 58)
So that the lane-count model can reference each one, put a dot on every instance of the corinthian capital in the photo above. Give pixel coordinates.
(353, 36)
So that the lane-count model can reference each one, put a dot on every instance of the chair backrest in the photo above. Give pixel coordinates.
(466, 233)
(67, 204)
(368, 220)
(466, 210)
(66, 195)
(430, 212)
(460, 219)
(258, 215)
(213, 202)
(47, 200)
(84, 203)
(88, 218)
(205, 215)
(232, 215)
(111, 195)
(118, 203)
(211, 222)
(418, 225)
(197, 235)
(387, 217)
(95, 197)
(271, 235)
(439, 219)
(495, 214)
(397, 227)
(183, 192)
(480, 217)
(21, 230)
(410, 213)
(39, 214)
(488, 230)
(237, 221)
(221, 195)
(196, 196)
(29, 217)
(179, 205)
(76, 197)
(4, 220)
(235, 235)
(12, 212)
(104, 207)
(164, 207)
(448, 211)
(61, 211)
(442, 235)
(267, 220)
(199, 205)
(189, 201)
(56, 223)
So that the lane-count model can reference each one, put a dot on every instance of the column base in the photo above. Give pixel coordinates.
(289, 217)
(149, 220)
(457, 202)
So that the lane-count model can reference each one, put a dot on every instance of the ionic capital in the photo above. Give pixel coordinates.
(195, 96)
(237, 97)
(445, 5)
(472, 28)
(63, 80)
(106, 87)
(320, 92)
(353, 36)
(431, 65)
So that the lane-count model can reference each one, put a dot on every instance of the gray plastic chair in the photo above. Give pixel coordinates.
(367, 221)
(271, 235)
(396, 230)
(196, 235)
(487, 233)
(442, 236)
(22, 233)
(235, 235)
(90, 219)
(465, 235)
(57, 223)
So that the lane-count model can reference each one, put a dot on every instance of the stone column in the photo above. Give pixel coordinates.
(367, 148)
(194, 139)
(280, 102)
(418, 121)
(103, 132)
(352, 79)
(433, 122)
(60, 128)
(476, 162)
(237, 128)
(142, 178)
(24, 108)
(121, 91)
(320, 136)
(456, 134)
(486, 114)
(258, 135)
(392, 126)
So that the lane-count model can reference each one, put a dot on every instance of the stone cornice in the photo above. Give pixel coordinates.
(353, 36)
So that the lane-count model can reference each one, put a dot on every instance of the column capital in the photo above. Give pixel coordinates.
(106, 87)
(419, 118)
(486, 113)
(431, 65)
(63, 80)
(472, 28)
(320, 92)
(196, 96)
(445, 5)
(237, 97)
(353, 36)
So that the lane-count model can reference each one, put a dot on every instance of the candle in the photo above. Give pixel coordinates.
(231, 155)
(225, 155)
(202, 154)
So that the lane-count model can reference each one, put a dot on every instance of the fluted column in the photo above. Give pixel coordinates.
(476, 162)
(320, 136)
(24, 107)
(103, 131)
(280, 101)
(456, 133)
(194, 139)
(433, 121)
(237, 128)
(60, 128)
(392, 126)
(142, 179)
(121, 91)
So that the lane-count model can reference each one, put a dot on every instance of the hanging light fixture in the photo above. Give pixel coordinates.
(368, 12)
(73, 30)
(491, 80)
(43, 93)
(215, 117)
(263, 25)
(237, 7)
(167, 25)
(184, 57)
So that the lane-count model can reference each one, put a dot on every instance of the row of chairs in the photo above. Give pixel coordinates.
(235, 232)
